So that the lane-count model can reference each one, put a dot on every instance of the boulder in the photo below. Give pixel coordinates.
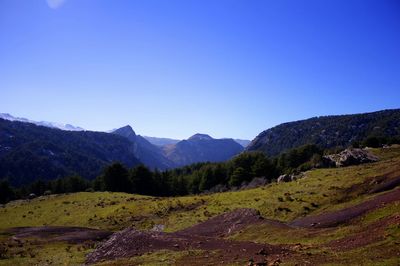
(294, 177)
(255, 182)
(32, 196)
(349, 157)
(290, 177)
(284, 178)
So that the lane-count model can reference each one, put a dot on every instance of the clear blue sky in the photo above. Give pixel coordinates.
(173, 68)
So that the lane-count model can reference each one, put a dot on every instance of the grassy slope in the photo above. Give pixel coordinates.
(321, 190)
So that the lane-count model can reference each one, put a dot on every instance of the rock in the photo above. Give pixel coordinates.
(288, 178)
(294, 177)
(262, 252)
(255, 182)
(349, 157)
(158, 228)
(284, 178)
(32, 196)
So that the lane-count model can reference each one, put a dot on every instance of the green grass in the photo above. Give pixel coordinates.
(266, 233)
(159, 258)
(319, 191)
(45, 254)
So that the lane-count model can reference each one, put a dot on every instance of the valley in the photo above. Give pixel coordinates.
(199, 133)
(277, 224)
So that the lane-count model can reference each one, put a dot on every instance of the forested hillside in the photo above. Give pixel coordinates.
(329, 131)
(29, 152)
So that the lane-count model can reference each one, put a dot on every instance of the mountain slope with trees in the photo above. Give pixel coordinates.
(330, 132)
(29, 152)
(149, 154)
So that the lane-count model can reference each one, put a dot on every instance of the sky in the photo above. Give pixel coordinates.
(228, 68)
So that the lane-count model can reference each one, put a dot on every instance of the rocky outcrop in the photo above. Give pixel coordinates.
(289, 177)
(349, 157)
(284, 178)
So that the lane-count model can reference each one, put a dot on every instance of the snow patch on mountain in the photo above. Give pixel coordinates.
(61, 126)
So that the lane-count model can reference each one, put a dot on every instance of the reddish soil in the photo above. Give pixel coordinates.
(205, 236)
(209, 235)
(60, 233)
(387, 185)
(372, 233)
(131, 242)
(335, 218)
(228, 223)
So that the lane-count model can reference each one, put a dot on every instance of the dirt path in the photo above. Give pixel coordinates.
(229, 223)
(374, 232)
(335, 218)
(60, 233)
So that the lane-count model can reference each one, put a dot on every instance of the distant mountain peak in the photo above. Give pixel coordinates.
(199, 136)
(125, 131)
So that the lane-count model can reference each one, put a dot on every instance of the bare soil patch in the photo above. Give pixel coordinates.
(205, 236)
(372, 233)
(229, 223)
(335, 218)
(60, 233)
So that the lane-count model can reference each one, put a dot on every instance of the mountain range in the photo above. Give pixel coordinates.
(41, 123)
(201, 148)
(31, 150)
(36, 150)
(153, 140)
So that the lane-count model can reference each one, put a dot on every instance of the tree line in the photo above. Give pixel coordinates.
(191, 179)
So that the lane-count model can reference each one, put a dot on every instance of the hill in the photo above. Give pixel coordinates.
(29, 152)
(281, 223)
(202, 148)
(328, 131)
(149, 154)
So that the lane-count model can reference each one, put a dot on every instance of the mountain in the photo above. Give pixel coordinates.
(149, 154)
(167, 141)
(161, 141)
(41, 123)
(243, 142)
(29, 152)
(328, 131)
(202, 148)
